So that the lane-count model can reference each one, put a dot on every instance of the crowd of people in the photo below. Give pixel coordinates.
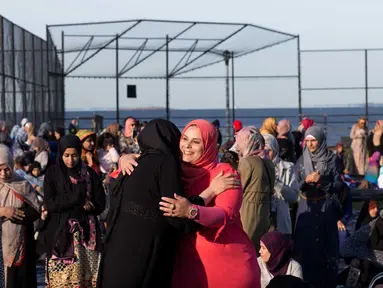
(146, 205)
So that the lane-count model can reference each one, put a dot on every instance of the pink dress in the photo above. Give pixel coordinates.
(220, 254)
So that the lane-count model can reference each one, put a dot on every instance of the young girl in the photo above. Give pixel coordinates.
(107, 153)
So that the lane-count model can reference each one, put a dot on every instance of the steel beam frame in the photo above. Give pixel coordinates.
(100, 49)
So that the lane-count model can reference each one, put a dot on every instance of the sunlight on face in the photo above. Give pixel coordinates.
(70, 157)
(5, 172)
(89, 144)
(312, 144)
(265, 254)
(270, 152)
(191, 145)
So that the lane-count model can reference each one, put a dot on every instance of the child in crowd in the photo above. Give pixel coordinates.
(107, 153)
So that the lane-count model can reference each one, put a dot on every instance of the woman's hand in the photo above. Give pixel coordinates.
(44, 213)
(221, 183)
(128, 163)
(314, 177)
(341, 226)
(12, 213)
(89, 159)
(88, 205)
(178, 207)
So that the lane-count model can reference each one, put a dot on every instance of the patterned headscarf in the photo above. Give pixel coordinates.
(249, 142)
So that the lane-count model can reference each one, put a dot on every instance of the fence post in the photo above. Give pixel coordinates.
(366, 80)
(325, 124)
(299, 79)
(13, 74)
(3, 108)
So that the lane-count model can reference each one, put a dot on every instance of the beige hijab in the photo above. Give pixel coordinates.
(14, 192)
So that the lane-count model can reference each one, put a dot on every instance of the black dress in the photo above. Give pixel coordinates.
(24, 276)
(141, 242)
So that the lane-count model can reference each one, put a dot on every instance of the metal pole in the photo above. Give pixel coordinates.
(167, 79)
(232, 87)
(117, 84)
(14, 74)
(63, 74)
(227, 55)
(299, 79)
(43, 107)
(366, 81)
(34, 83)
(48, 76)
(25, 105)
(3, 108)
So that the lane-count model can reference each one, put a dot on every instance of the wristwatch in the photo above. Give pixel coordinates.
(193, 212)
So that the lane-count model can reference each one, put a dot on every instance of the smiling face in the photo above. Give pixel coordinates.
(191, 145)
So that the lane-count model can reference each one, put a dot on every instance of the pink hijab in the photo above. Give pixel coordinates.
(197, 172)
(283, 128)
(251, 142)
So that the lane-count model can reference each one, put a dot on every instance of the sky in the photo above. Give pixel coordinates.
(324, 24)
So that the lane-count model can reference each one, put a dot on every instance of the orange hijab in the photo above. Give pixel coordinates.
(269, 126)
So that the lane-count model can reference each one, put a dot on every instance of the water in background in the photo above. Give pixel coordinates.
(339, 120)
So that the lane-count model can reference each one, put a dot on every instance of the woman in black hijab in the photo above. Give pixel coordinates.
(73, 197)
(369, 212)
(140, 243)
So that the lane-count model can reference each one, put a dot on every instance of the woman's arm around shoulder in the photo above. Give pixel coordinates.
(225, 205)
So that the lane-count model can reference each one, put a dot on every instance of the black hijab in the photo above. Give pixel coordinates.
(62, 238)
(160, 136)
(364, 216)
(62, 171)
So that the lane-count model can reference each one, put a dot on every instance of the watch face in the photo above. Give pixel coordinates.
(193, 212)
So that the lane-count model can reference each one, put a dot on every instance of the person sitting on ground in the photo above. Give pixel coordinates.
(276, 259)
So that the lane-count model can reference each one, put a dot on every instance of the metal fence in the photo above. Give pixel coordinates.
(343, 78)
(31, 82)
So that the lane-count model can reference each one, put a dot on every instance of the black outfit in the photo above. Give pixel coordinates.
(298, 139)
(217, 126)
(24, 276)
(368, 269)
(286, 150)
(141, 243)
(64, 200)
(72, 129)
(364, 216)
(288, 281)
(371, 148)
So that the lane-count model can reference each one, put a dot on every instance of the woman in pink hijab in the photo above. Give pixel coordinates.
(220, 254)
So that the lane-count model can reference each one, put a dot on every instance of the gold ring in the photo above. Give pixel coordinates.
(173, 207)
